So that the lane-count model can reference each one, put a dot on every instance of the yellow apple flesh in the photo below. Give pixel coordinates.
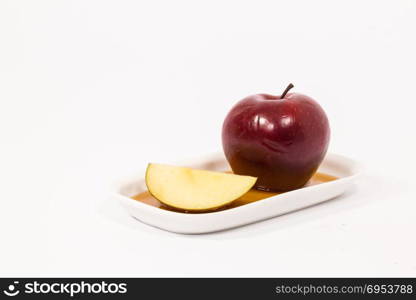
(195, 190)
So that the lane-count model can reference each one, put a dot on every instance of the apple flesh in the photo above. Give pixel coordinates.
(195, 190)
(280, 139)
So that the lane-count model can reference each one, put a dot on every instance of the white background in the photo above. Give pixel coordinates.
(91, 91)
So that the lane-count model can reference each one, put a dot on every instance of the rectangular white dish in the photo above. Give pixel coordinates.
(342, 167)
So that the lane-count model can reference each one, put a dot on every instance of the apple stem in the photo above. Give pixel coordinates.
(286, 90)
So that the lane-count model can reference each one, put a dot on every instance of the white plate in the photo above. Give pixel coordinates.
(336, 165)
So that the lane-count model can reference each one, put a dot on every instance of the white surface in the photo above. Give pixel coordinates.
(344, 168)
(93, 90)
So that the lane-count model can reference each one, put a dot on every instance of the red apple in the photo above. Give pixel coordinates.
(280, 139)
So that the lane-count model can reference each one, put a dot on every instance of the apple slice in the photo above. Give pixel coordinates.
(195, 190)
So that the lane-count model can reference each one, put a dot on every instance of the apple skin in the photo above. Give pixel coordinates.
(282, 141)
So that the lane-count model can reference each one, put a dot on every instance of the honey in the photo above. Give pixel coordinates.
(251, 196)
